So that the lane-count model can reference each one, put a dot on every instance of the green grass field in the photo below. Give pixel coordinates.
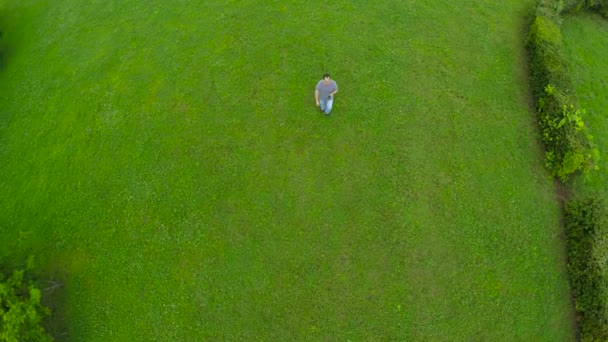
(586, 48)
(166, 161)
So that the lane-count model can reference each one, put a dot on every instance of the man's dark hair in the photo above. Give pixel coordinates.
(326, 75)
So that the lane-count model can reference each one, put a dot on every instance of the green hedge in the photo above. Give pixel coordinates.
(569, 150)
(587, 242)
(567, 144)
(563, 132)
(598, 6)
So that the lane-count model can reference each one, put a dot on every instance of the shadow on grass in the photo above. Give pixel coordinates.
(2, 53)
(5, 53)
(53, 297)
(5, 50)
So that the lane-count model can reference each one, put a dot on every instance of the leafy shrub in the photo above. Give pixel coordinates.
(564, 131)
(550, 9)
(545, 31)
(20, 310)
(587, 241)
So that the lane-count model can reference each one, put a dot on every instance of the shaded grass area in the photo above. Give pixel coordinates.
(585, 47)
(168, 162)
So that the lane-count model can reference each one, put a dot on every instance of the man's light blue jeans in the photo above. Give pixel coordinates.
(326, 104)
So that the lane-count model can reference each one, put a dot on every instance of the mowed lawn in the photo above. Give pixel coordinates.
(166, 161)
(585, 39)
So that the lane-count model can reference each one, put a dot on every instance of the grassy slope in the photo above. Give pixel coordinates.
(586, 48)
(167, 162)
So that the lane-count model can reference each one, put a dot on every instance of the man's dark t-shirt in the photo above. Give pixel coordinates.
(326, 89)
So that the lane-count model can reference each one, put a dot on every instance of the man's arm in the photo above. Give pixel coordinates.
(317, 96)
(335, 91)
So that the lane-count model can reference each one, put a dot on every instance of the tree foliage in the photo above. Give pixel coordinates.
(20, 310)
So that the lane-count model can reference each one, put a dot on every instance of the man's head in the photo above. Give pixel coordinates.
(326, 77)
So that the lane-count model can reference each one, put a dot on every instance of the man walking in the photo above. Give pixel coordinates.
(324, 94)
